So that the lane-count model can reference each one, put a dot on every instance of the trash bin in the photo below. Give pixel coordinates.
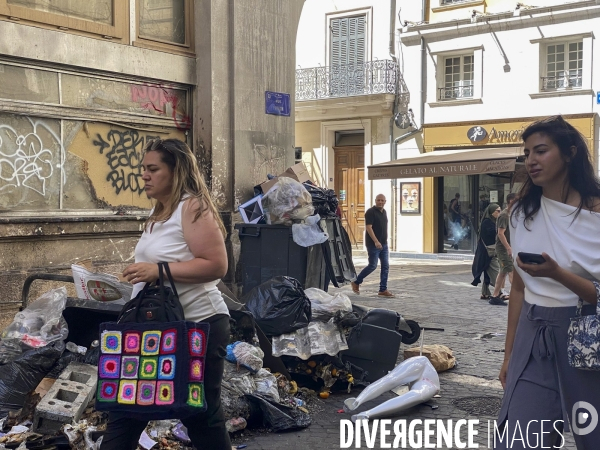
(269, 251)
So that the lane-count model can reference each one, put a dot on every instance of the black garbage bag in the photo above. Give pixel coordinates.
(61, 364)
(279, 306)
(274, 415)
(324, 200)
(22, 375)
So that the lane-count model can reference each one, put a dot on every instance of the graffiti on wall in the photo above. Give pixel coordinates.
(27, 158)
(268, 159)
(160, 100)
(123, 151)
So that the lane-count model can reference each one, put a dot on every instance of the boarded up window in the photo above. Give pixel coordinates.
(21, 83)
(100, 11)
(163, 20)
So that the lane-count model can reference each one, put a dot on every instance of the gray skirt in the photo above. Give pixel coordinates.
(539, 364)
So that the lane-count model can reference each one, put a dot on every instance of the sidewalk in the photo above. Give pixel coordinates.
(438, 294)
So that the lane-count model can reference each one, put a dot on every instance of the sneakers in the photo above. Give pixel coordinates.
(386, 293)
(496, 301)
(355, 287)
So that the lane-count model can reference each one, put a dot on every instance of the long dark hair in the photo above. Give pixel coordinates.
(580, 171)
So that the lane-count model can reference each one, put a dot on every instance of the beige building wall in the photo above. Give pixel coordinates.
(119, 90)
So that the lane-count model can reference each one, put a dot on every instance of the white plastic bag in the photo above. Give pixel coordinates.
(237, 380)
(309, 233)
(246, 355)
(318, 338)
(41, 322)
(266, 383)
(288, 200)
(324, 306)
(102, 287)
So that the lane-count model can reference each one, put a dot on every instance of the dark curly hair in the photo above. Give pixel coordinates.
(580, 171)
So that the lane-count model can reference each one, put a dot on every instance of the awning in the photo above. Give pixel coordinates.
(448, 162)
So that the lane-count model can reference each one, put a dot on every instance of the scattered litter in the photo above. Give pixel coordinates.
(241, 446)
(400, 390)
(102, 287)
(17, 429)
(309, 233)
(340, 411)
(237, 424)
(266, 384)
(180, 432)
(146, 441)
(246, 355)
(74, 348)
(318, 338)
(287, 200)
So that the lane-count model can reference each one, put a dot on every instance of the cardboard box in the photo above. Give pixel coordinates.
(298, 172)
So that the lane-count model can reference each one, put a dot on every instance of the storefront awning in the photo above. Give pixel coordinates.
(448, 162)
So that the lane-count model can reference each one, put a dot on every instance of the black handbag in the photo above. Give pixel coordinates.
(155, 303)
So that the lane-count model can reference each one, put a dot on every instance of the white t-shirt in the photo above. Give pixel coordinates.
(574, 243)
(165, 242)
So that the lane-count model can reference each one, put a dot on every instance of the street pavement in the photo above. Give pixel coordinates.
(438, 294)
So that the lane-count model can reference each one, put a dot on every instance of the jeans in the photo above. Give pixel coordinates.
(375, 254)
(207, 429)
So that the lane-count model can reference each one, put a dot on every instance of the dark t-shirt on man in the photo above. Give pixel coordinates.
(503, 222)
(378, 219)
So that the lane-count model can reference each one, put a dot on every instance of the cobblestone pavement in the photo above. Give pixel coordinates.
(437, 294)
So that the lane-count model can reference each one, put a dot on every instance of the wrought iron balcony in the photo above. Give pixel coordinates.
(372, 77)
(565, 82)
(455, 92)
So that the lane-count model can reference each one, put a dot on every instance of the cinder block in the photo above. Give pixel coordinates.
(67, 398)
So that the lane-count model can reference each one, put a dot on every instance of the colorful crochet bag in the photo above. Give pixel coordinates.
(155, 369)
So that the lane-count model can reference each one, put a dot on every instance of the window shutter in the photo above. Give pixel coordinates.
(356, 40)
(348, 41)
(336, 41)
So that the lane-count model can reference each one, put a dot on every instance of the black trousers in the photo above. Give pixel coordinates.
(206, 430)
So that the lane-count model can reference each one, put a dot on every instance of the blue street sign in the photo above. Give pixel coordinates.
(598, 98)
(277, 103)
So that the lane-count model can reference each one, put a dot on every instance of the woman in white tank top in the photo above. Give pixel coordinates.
(558, 217)
(184, 229)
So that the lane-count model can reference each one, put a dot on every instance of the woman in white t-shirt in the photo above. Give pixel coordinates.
(184, 229)
(558, 217)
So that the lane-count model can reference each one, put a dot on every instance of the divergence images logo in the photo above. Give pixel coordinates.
(584, 418)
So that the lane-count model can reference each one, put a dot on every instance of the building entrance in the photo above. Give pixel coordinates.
(460, 218)
(350, 190)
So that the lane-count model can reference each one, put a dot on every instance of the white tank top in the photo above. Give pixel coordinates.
(165, 242)
(573, 242)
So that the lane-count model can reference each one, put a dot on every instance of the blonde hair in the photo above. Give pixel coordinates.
(187, 182)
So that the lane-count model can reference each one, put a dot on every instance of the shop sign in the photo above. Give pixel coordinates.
(478, 134)
(443, 169)
(506, 135)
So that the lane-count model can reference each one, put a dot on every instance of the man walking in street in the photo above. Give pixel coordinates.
(503, 251)
(376, 242)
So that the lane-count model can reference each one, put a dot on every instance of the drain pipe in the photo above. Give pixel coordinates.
(392, 52)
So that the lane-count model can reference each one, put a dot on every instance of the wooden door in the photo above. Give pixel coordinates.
(350, 189)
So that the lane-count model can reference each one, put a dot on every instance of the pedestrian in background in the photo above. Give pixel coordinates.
(376, 225)
(557, 216)
(503, 251)
(485, 261)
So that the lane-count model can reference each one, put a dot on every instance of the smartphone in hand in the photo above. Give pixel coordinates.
(531, 258)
